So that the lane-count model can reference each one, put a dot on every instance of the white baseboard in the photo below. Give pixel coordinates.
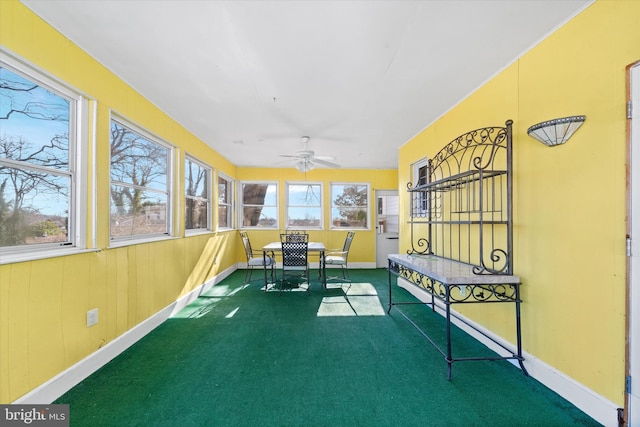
(66, 380)
(591, 403)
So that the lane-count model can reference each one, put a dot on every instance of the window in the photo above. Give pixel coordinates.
(259, 204)
(350, 206)
(40, 169)
(140, 191)
(225, 202)
(197, 198)
(304, 205)
(420, 199)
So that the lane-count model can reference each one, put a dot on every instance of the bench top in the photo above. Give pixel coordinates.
(450, 272)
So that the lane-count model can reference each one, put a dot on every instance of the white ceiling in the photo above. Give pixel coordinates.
(361, 78)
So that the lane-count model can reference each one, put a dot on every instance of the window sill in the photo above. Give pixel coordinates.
(131, 242)
(12, 258)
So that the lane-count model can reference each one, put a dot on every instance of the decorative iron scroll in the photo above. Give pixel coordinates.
(464, 211)
(473, 150)
(471, 293)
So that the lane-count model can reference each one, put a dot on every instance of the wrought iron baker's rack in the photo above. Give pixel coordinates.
(463, 208)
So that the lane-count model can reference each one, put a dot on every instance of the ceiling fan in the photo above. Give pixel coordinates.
(307, 160)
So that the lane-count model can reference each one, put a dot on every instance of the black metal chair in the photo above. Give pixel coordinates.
(255, 259)
(295, 259)
(296, 236)
(340, 257)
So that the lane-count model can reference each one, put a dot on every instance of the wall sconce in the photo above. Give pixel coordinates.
(556, 131)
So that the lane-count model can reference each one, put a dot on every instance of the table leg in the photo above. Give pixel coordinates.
(323, 271)
(264, 268)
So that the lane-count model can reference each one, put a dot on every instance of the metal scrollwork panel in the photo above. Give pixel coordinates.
(483, 293)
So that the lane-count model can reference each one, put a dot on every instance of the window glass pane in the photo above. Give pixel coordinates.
(260, 216)
(260, 205)
(304, 195)
(197, 214)
(35, 122)
(349, 205)
(223, 217)
(305, 208)
(135, 212)
(197, 200)
(196, 182)
(139, 191)
(43, 213)
(303, 217)
(35, 173)
(137, 161)
(225, 200)
(349, 217)
(223, 188)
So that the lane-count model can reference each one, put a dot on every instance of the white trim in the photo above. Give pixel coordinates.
(633, 304)
(588, 401)
(66, 380)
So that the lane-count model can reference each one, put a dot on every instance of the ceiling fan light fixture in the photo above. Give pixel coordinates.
(305, 165)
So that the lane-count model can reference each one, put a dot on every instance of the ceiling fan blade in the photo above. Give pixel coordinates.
(326, 158)
(291, 156)
(325, 163)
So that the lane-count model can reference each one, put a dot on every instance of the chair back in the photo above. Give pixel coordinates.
(295, 236)
(347, 242)
(295, 252)
(247, 244)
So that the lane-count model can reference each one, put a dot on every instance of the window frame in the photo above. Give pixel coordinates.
(209, 202)
(419, 201)
(118, 241)
(80, 213)
(288, 205)
(230, 206)
(241, 206)
(367, 208)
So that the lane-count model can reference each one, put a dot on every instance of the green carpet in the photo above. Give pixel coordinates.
(241, 357)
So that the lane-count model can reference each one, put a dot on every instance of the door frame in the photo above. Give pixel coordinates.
(631, 414)
(390, 192)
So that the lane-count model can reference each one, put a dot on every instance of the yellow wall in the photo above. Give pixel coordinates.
(43, 304)
(569, 201)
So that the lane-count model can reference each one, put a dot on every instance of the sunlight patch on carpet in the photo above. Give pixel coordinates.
(357, 299)
(232, 313)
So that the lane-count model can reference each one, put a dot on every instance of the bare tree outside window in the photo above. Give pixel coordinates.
(197, 179)
(304, 205)
(139, 189)
(35, 171)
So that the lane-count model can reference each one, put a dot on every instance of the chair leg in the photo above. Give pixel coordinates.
(247, 276)
(345, 273)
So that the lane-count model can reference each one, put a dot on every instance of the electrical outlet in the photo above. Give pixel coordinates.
(92, 317)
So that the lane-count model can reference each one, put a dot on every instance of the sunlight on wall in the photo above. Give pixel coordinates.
(207, 265)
